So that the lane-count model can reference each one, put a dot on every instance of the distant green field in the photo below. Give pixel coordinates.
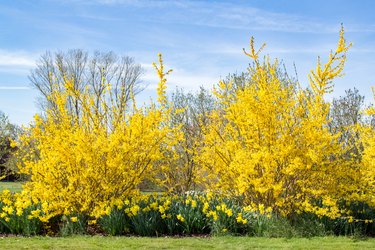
(11, 186)
(17, 187)
(229, 242)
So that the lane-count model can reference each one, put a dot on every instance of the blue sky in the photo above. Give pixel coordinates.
(201, 40)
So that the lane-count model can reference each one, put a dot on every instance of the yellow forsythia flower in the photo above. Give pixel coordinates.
(87, 161)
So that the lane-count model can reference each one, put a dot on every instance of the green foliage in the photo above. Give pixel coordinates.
(147, 221)
(73, 224)
(360, 221)
(270, 226)
(20, 223)
(189, 214)
(117, 222)
(8, 133)
(169, 210)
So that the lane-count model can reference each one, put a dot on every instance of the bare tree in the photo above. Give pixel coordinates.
(86, 71)
(193, 115)
(345, 113)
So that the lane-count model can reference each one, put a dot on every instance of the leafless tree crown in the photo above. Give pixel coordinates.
(86, 71)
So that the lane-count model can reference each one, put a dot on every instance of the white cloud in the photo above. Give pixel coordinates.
(134, 3)
(14, 88)
(189, 81)
(219, 14)
(17, 59)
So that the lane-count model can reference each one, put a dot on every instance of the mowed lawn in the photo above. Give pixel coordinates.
(228, 242)
(11, 186)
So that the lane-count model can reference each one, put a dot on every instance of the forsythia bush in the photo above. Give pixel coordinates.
(263, 155)
(270, 143)
(368, 160)
(87, 164)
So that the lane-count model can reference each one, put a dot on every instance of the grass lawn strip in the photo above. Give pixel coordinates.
(227, 242)
(14, 187)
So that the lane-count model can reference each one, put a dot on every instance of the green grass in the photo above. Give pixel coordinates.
(11, 186)
(17, 187)
(99, 242)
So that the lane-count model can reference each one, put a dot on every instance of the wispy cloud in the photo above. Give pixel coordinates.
(135, 3)
(17, 58)
(17, 63)
(58, 24)
(180, 78)
(221, 14)
(14, 88)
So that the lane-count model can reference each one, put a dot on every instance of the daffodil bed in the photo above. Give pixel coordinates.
(174, 215)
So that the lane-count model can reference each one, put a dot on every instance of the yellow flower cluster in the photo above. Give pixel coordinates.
(180, 218)
(223, 207)
(89, 162)
(212, 214)
(240, 219)
(368, 162)
(270, 142)
(15, 205)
